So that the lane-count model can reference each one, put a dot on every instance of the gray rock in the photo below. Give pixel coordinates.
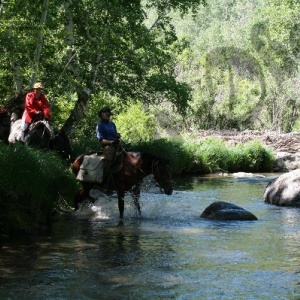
(284, 190)
(286, 161)
(225, 211)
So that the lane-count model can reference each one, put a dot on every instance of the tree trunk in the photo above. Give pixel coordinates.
(77, 112)
(39, 45)
(83, 94)
(17, 76)
(15, 67)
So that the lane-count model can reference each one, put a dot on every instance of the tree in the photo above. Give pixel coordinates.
(89, 46)
(242, 64)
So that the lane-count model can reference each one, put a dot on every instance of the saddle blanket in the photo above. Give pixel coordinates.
(91, 169)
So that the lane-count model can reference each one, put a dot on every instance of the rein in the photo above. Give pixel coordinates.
(34, 126)
(155, 168)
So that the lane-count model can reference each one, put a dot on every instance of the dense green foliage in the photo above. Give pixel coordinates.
(135, 124)
(88, 47)
(132, 121)
(242, 69)
(227, 64)
(201, 157)
(242, 61)
(32, 184)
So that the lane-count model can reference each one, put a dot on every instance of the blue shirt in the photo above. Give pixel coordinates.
(107, 130)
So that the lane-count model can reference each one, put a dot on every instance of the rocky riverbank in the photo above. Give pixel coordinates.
(286, 146)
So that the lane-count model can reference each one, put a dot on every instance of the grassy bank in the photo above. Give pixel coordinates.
(199, 157)
(32, 184)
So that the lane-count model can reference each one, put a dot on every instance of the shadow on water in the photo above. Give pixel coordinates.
(169, 252)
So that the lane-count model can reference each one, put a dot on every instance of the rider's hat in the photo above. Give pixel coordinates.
(106, 110)
(38, 85)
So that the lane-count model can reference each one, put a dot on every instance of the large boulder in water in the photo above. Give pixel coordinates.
(284, 190)
(225, 211)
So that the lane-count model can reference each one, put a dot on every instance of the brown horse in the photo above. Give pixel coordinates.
(4, 125)
(136, 165)
(12, 112)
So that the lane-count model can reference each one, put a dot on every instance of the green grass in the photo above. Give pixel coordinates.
(207, 156)
(251, 157)
(32, 184)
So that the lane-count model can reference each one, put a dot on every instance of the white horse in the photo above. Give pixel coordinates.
(40, 133)
(16, 127)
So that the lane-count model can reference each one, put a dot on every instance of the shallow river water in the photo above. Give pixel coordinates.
(168, 253)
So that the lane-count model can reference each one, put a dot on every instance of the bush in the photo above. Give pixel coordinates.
(87, 145)
(32, 184)
(135, 124)
(251, 157)
(212, 156)
(209, 156)
(173, 150)
(189, 155)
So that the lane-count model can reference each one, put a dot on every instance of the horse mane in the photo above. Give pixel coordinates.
(151, 157)
(146, 156)
(46, 125)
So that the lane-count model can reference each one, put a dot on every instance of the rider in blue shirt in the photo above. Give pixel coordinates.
(106, 133)
(106, 130)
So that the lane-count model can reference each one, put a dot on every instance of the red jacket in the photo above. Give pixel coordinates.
(33, 105)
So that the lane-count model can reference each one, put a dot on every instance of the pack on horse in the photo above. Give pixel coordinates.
(129, 176)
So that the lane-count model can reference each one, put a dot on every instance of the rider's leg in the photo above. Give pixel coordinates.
(24, 131)
(109, 153)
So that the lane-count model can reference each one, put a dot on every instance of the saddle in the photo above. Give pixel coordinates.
(92, 167)
(117, 166)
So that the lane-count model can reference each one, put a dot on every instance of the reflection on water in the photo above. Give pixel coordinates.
(168, 253)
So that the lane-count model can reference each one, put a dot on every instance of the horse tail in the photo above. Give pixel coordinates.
(75, 166)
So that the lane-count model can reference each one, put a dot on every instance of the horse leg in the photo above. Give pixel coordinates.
(78, 199)
(136, 191)
(82, 194)
(121, 195)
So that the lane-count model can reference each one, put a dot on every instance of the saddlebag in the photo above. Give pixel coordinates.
(91, 169)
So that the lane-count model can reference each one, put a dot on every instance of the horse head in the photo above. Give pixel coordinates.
(61, 144)
(39, 135)
(163, 175)
(15, 105)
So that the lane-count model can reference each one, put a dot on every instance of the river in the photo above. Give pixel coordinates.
(168, 253)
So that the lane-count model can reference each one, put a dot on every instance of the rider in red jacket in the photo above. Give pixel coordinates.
(37, 108)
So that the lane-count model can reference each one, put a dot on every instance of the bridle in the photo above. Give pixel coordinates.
(34, 128)
(157, 174)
